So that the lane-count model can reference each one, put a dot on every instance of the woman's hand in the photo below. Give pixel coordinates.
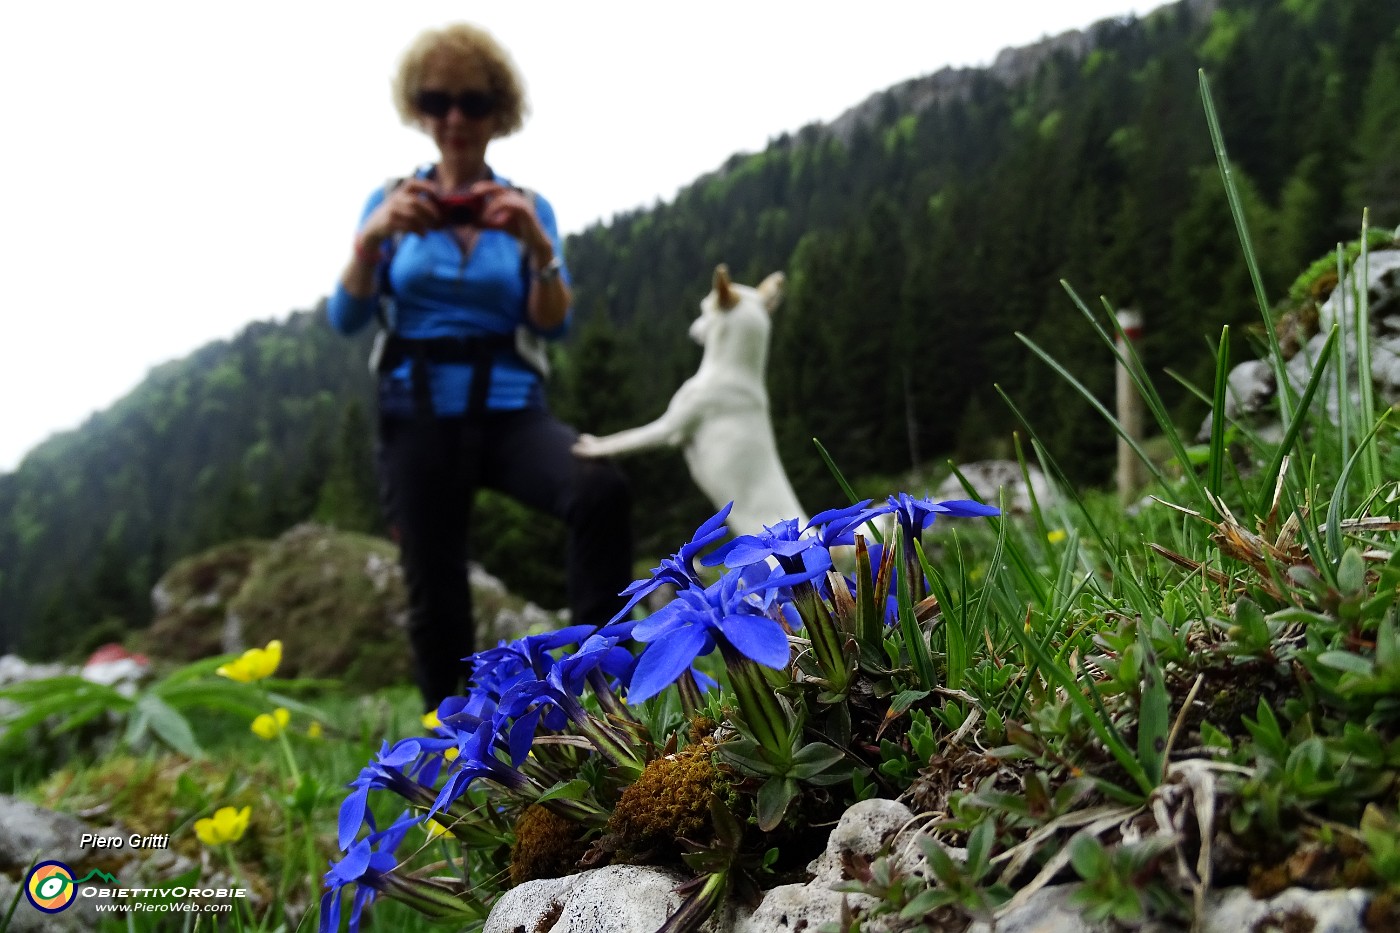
(513, 211)
(410, 208)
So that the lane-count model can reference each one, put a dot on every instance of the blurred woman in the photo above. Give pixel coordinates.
(466, 273)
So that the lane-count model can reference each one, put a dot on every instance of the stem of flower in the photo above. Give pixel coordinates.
(608, 700)
(611, 743)
(238, 876)
(291, 758)
(429, 897)
(691, 698)
(698, 907)
(762, 711)
(827, 639)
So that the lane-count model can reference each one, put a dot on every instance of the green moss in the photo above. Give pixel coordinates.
(197, 591)
(1317, 281)
(546, 846)
(671, 800)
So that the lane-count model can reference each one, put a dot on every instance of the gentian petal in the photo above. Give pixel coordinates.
(352, 816)
(665, 660)
(968, 508)
(352, 867)
(758, 638)
(522, 735)
(404, 752)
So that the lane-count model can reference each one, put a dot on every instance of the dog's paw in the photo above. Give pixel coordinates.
(588, 446)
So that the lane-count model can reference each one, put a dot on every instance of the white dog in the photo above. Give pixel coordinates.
(719, 416)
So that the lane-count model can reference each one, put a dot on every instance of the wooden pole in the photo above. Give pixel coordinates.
(1129, 413)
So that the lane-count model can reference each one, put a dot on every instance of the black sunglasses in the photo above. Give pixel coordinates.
(473, 104)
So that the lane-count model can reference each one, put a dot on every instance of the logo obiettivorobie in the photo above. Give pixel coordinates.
(50, 886)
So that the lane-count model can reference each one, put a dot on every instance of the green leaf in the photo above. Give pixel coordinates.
(926, 902)
(566, 790)
(168, 725)
(1154, 716)
(979, 848)
(1351, 573)
(813, 759)
(1346, 661)
(1088, 857)
(773, 799)
(905, 699)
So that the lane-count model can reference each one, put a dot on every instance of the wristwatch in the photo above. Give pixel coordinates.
(549, 271)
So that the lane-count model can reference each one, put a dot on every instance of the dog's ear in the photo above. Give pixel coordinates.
(771, 291)
(725, 295)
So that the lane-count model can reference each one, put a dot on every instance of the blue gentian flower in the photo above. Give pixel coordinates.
(598, 653)
(528, 658)
(914, 515)
(802, 557)
(367, 863)
(393, 769)
(734, 608)
(836, 527)
(677, 570)
(477, 758)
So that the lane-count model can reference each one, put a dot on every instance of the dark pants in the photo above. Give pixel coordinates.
(431, 468)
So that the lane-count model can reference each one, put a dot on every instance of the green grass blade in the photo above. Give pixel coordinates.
(1036, 513)
(1107, 553)
(1295, 423)
(1346, 415)
(1216, 465)
(1371, 462)
(1093, 713)
(1337, 506)
(1098, 406)
(1232, 195)
(1023, 564)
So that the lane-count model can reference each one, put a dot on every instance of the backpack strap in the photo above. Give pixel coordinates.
(390, 350)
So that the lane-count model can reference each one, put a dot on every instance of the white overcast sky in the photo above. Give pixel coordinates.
(175, 170)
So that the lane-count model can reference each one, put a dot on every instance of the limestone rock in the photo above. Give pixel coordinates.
(615, 899)
(863, 830)
(32, 832)
(992, 478)
(335, 599)
(634, 899)
(1228, 911)
(1252, 384)
(794, 907)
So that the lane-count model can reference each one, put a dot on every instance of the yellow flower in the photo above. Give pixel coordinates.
(226, 825)
(315, 730)
(436, 830)
(430, 719)
(254, 664)
(1056, 536)
(270, 725)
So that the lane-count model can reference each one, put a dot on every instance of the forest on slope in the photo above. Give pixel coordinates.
(920, 233)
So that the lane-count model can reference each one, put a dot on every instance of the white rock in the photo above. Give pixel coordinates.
(794, 907)
(862, 830)
(615, 899)
(1234, 909)
(992, 478)
(1383, 281)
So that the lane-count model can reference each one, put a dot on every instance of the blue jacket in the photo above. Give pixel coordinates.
(437, 292)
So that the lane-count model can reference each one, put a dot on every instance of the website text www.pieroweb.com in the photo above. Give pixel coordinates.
(52, 887)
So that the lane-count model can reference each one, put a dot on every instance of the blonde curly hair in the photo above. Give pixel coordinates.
(465, 41)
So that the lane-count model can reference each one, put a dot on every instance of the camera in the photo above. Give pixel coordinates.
(460, 209)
